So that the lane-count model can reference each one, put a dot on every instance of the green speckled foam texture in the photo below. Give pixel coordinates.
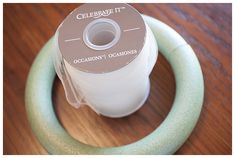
(166, 139)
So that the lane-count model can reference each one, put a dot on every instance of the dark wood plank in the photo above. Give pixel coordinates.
(206, 27)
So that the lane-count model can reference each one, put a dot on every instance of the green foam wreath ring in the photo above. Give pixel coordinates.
(166, 139)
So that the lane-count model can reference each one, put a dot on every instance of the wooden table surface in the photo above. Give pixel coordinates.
(206, 27)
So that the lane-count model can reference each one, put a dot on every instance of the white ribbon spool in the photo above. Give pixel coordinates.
(115, 93)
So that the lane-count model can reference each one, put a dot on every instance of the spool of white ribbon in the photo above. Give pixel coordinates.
(115, 93)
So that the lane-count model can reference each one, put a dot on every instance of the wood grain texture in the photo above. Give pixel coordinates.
(206, 27)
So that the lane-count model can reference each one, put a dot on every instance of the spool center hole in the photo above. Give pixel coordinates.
(102, 34)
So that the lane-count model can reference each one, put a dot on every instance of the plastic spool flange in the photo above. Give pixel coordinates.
(166, 139)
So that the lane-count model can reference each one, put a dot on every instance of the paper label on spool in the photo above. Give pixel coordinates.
(100, 38)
